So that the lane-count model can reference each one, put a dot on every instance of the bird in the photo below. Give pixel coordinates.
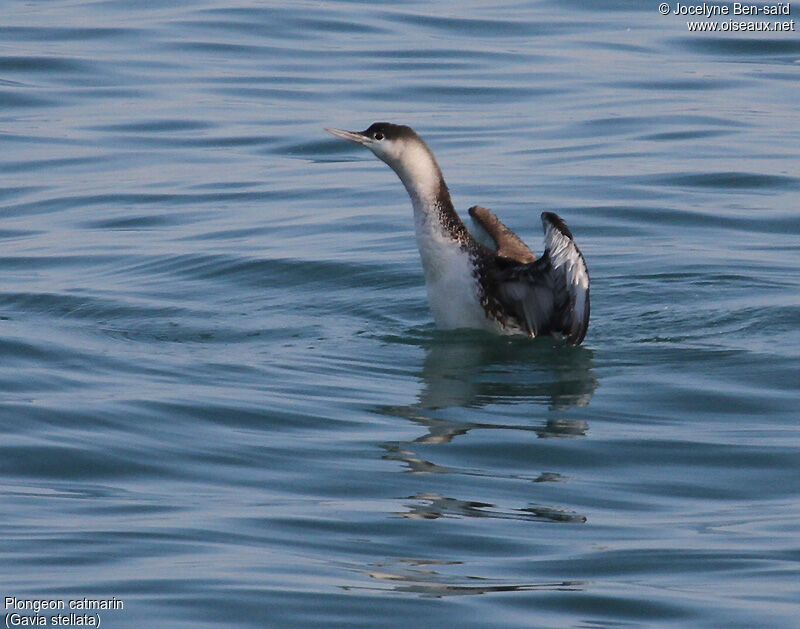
(504, 288)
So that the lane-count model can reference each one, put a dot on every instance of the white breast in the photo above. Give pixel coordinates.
(453, 291)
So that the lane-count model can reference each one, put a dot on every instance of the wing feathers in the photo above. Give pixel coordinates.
(552, 293)
(509, 245)
(570, 274)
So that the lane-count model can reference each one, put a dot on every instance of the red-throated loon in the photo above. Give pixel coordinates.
(506, 290)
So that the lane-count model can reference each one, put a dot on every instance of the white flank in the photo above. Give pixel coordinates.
(452, 287)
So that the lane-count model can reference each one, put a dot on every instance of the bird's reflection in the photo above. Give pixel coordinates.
(430, 506)
(426, 577)
(479, 371)
(467, 383)
(476, 372)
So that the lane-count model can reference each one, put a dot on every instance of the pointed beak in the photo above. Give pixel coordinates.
(353, 136)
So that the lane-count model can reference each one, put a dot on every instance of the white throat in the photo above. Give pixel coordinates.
(417, 168)
(420, 174)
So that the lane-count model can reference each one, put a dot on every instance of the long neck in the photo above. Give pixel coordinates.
(430, 197)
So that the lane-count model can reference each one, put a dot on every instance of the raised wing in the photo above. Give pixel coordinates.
(552, 293)
(509, 245)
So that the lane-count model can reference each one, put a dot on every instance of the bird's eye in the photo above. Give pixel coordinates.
(378, 135)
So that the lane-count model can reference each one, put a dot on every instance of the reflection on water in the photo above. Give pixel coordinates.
(443, 430)
(482, 370)
(476, 372)
(563, 428)
(418, 576)
(433, 506)
(472, 376)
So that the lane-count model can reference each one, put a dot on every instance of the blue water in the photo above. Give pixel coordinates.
(223, 400)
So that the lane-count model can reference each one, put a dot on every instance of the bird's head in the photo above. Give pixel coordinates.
(390, 142)
(402, 149)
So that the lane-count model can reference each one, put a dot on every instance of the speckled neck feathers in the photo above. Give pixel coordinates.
(420, 173)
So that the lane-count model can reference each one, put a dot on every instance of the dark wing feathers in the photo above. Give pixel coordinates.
(526, 292)
(552, 293)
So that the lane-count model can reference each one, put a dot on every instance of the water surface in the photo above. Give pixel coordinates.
(223, 398)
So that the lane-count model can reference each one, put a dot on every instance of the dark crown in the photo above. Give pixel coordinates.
(389, 131)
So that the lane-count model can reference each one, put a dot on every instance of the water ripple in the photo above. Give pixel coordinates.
(223, 397)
